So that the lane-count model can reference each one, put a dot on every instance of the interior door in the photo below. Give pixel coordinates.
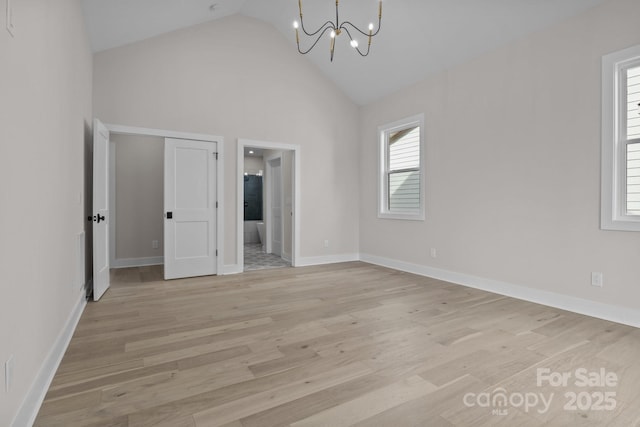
(190, 208)
(276, 207)
(100, 216)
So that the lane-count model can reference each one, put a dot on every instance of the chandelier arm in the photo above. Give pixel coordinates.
(322, 29)
(314, 43)
(346, 30)
(363, 54)
(345, 23)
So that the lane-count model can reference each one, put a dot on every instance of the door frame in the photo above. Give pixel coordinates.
(295, 148)
(131, 130)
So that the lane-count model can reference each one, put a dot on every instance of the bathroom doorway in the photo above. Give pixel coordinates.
(267, 196)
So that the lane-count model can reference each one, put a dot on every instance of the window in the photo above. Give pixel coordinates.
(621, 140)
(401, 185)
(633, 140)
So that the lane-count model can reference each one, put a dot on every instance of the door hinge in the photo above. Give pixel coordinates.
(216, 154)
(216, 205)
(216, 252)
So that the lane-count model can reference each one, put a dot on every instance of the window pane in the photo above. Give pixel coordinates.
(633, 99)
(404, 190)
(633, 179)
(404, 149)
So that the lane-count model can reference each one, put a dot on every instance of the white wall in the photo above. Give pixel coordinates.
(253, 165)
(239, 78)
(139, 197)
(45, 120)
(513, 165)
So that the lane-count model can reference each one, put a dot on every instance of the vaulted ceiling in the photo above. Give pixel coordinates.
(418, 37)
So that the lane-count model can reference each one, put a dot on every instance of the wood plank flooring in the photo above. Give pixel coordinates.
(341, 345)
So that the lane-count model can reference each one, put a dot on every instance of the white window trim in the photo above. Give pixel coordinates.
(613, 169)
(383, 210)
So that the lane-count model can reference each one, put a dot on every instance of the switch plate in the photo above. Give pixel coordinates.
(326, 243)
(8, 374)
(10, 24)
(597, 279)
(155, 244)
(434, 253)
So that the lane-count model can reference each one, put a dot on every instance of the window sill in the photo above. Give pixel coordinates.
(401, 216)
(620, 225)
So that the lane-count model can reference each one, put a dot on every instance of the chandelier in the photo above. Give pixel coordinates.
(335, 29)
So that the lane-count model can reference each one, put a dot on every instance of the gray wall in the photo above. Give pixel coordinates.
(513, 165)
(139, 195)
(45, 127)
(239, 78)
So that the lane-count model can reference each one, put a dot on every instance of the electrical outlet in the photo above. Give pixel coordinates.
(10, 24)
(8, 374)
(155, 244)
(434, 253)
(326, 243)
(597, 279)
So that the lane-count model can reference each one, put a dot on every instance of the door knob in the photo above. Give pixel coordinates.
(96, 218)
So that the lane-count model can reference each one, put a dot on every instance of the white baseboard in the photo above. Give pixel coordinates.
(137, 262)
(623, 315)
(231, 269)
(326, 259)
(35, 396)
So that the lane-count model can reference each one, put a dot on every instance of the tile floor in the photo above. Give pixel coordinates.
(256, 259)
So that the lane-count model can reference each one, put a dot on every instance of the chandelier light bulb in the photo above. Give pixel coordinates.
(296, 25)
(333, 34)
(354, 44)
(371, 26)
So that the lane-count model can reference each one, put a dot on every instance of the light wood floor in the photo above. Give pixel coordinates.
(340, 345)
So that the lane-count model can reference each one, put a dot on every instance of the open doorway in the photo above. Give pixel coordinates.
(184, 190)
(162, 191)
(136, 200)
(267, 190)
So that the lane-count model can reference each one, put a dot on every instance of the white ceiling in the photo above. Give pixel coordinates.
(418, 37)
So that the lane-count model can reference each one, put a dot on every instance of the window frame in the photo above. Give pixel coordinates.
(613, 215)
(383, 169)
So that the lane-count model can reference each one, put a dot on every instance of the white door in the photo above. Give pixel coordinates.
(100, 216)
(276, 206)
(190, 208)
